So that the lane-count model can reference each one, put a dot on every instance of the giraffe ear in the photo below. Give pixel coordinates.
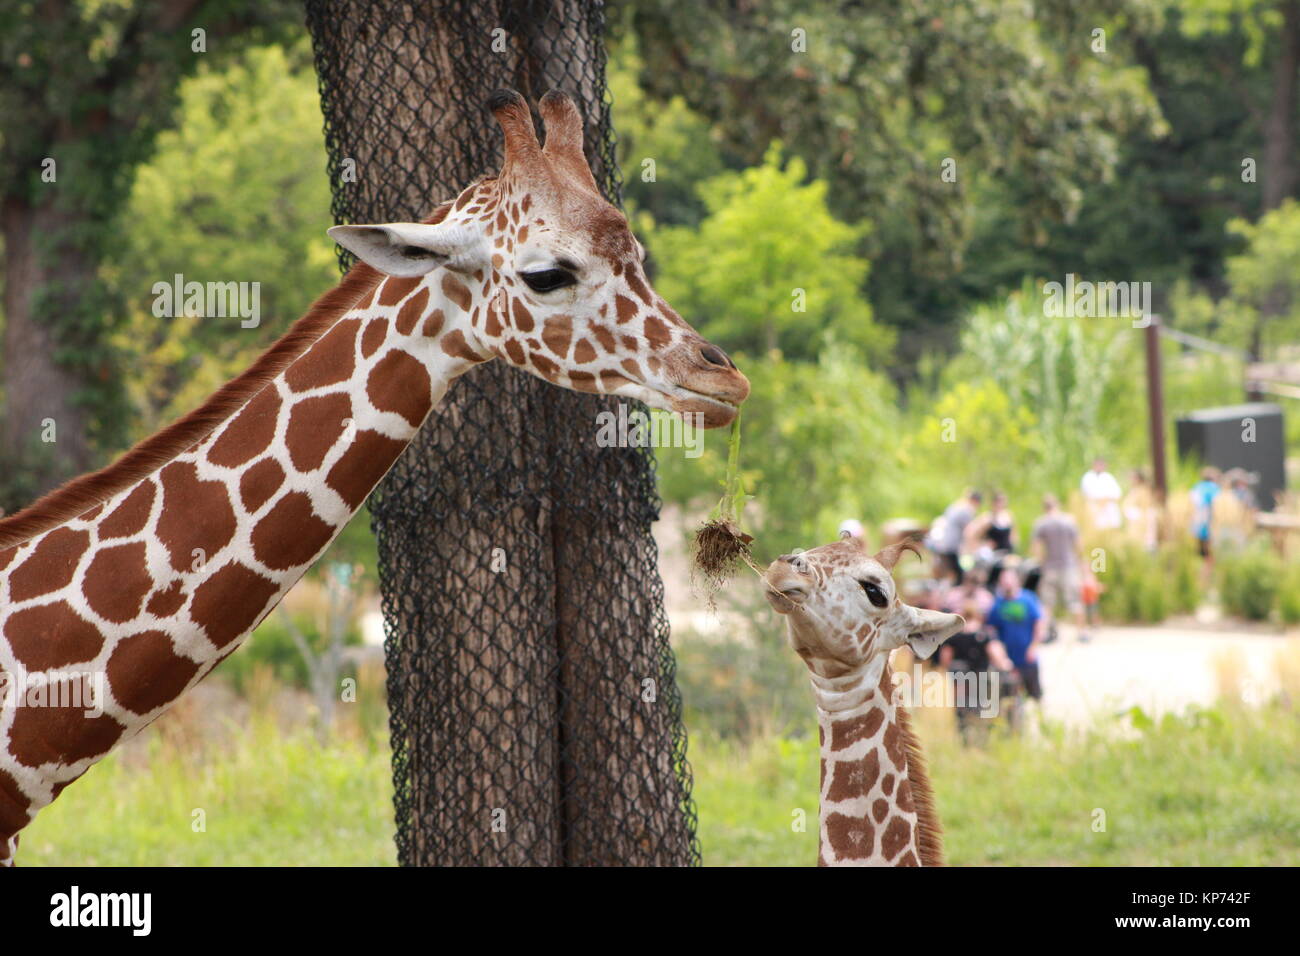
(414, 248)
(929, 629)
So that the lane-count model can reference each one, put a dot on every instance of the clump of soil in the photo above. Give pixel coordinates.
(720, 545)
(719, 548)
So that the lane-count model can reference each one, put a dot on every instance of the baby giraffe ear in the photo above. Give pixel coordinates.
(929, 629)
(414, 248)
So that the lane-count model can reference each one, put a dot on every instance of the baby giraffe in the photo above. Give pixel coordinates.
(844, 618)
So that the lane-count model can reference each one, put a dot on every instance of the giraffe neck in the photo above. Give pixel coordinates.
(135, 601)
(876, 808)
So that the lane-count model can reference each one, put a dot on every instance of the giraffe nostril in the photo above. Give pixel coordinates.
(715, 356)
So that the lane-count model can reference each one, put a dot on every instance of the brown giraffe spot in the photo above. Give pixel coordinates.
(329, 361)
(396, 288)
(526, 203)
(409, 315)
(625, 308)
(492, 324)
(50, 565)
(196, 515)
(515, 352)
(657, 331)
(845, 733)
(852, 779)
(639, 287)
(557, 333)
(249, 434)
(7, 555)
(894, 747)
(580, 379)
(373, 337)
(145, 672)
(544, 365)
(259, 483)
(62, 735)
(904, 797)
(632, 367)
(229, 603)
(168, 601)
(909, 859)
(13, 809)
(399, 383)
(315, 425)
(52, 635)
(523, 318)
(501, 219)
(130, 516)
(896, 836)
(454, 344)
(92, 513)
(850, 838)
(290, 534)
(367, 460)
(610, 380)
(887, 784)
(604, 337)
(880, 810)
(433, 324)
(584, 352)
(523, 234)
(457, 292)
(117, 582)
(630, 342)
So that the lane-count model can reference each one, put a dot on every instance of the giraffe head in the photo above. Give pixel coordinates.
(551, 277)
(844, 611)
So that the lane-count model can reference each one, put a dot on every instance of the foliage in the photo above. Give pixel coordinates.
(1250, 581)
(741, 687)
(876, 96)
(271, 648)
(212, 206)
(90, 86)
(829, 425)
(1144, 587)
(974, 431)
(769, 266)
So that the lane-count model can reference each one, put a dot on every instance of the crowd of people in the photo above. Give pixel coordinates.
(1012, 596)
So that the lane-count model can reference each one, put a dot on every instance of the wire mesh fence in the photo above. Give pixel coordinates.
(535, 716)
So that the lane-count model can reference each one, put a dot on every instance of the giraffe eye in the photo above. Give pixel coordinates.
(874, 594)
(548, 280)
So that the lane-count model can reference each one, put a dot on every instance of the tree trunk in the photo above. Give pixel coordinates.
(521, 597)
(40, 393)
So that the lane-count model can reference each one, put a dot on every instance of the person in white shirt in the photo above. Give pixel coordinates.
(1102, 493)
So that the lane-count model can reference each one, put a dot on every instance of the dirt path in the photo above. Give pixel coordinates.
(1160, 669)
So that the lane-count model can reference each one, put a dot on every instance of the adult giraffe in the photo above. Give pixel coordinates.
(140, 578)
(845, 617)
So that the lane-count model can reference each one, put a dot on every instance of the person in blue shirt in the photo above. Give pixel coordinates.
(1017, 618)
(1203, 494)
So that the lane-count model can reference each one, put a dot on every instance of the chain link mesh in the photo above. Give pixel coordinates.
(522, 732)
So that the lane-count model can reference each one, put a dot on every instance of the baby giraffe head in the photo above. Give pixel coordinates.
(844, 611)
(550, 278)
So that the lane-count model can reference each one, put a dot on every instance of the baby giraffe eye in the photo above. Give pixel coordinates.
(548, 280)
(874, 594)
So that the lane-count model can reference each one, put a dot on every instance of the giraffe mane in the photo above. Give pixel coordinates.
(929, 831)
(81, 494)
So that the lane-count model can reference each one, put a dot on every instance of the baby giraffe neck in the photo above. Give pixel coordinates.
(876, 806)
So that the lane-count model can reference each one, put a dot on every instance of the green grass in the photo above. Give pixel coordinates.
(1214, 787)
(269, 799)
(1211, 788)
